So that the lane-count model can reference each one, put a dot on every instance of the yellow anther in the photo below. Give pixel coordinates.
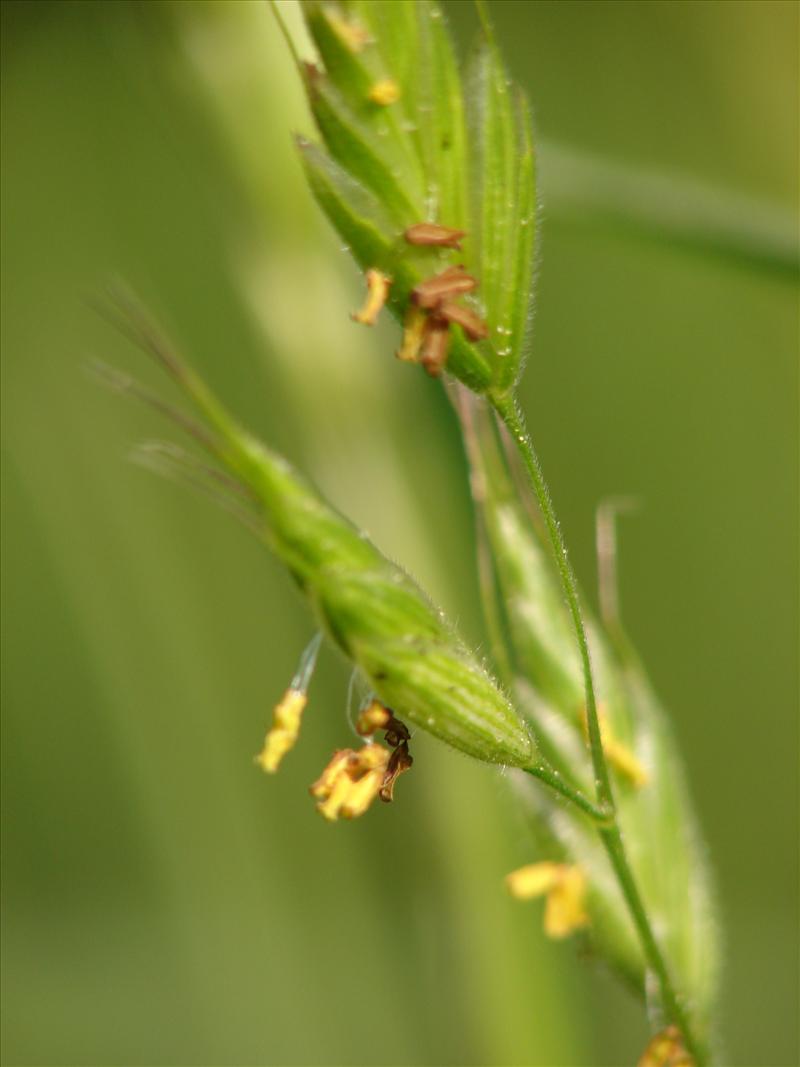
(362, 793)
(326, 781)
(378, 285)
(350, 782)
(385, 92)
(413, 333)
(331, 807)
(532, 881)
(351, 34)
(622, 758)
(565, 888)
(373, 718)
(370, 758)
(564, 911)
(666, 1049)
(282, 735)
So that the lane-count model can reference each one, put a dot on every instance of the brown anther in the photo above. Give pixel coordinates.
(472, 325)
(435, 344)
(375, 717)
(433, 291)
(430, 233)
(399, 762)
(396, 733)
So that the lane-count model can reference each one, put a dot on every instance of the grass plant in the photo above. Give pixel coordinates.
(427, 170)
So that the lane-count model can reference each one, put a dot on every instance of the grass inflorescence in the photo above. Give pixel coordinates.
(426, 169)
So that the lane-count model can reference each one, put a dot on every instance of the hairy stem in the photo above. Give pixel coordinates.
(608, 828)
(550, 776)
(511, 416)
(673, 1008)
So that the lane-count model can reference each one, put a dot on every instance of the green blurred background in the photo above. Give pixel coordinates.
(164, 903)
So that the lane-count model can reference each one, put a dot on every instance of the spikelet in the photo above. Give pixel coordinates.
(412, 657)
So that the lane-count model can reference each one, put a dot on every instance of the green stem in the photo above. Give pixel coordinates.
(673, 1008)
(513, 419)
(600, 816)
(611, 837)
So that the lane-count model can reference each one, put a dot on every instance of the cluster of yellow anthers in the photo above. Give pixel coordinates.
(434, 306)
(666, 1049)
(622, 758)
(354, 778)
(565, 887)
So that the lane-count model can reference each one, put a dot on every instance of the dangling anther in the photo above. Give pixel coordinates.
(350, 782)
(282, 734)
(378, 285)
(374, 717)
(413, 331)
(399, 762)
(435, 344)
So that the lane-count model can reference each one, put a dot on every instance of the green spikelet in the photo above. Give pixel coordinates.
(460, 156)
(372, 609)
